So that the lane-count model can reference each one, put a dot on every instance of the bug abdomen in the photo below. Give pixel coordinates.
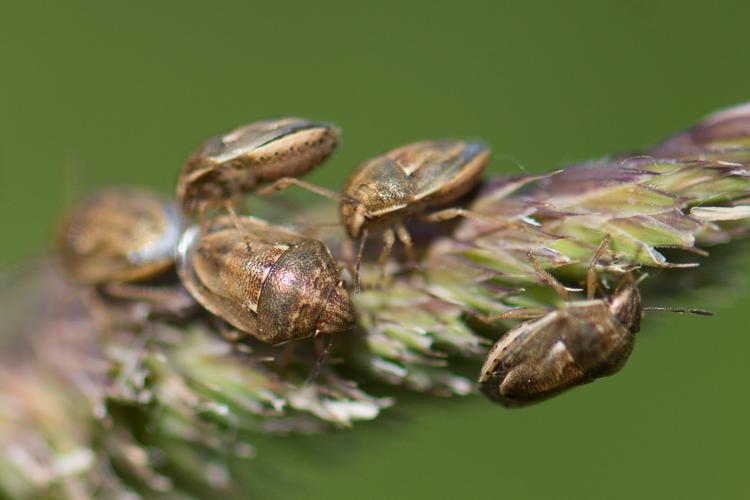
(532, 381)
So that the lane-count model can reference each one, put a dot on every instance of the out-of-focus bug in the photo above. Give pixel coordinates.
(573, 345)
(285, 288)
(119, 244)
(228, 166)
(119, 234)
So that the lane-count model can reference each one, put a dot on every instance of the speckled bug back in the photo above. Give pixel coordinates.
(410, 179)
(227, 166)
(119, 235)
(576, 344)
(285, 287)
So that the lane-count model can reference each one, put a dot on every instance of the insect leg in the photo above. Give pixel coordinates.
(548, 279)
(405, 238)
(285, 182)
(520, 313)
(238, 225)
(358, 262)
(348, 256)
(389, 238)
(172, 300)
(452, 213)
(591, 273)
(226, 332)
(322, 354)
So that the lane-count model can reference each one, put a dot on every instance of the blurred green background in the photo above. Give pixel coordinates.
(94, 94)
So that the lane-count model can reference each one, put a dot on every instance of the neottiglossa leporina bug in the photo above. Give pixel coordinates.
(284, 288)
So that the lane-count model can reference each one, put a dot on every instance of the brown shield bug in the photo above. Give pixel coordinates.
(119, 243)
(383, 191)
(285, 288)
(408, 180)
(227, 166)
(579, 342)
(573, 345)
(119, 234)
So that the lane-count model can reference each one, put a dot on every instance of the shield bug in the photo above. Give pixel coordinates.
(408, 180)
(227, 166)
(119, 234)
(286, 287)
(576, 344)
(119, 243)
(573, 345)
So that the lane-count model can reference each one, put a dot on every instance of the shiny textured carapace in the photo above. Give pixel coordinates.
(282, 287)
(119, 234)
(574, 345)
(409, 180)
(228, 166)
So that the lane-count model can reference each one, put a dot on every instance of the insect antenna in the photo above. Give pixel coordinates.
(680, 310)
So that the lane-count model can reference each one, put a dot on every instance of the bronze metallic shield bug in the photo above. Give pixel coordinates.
(286, 287)
(228, 166)
(119, 235)
(574, 345)
(408, 180)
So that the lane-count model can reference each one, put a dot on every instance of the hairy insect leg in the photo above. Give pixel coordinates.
(452, 213)
(520, 313)
(405, 238)
(358, 262)
(548, 279)
(107, 317)
(238, 224)
(285, 182)
(389, 239)
(227, 333)
(172, 300)
(322, 352)
(142, 293)
(591, 272)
